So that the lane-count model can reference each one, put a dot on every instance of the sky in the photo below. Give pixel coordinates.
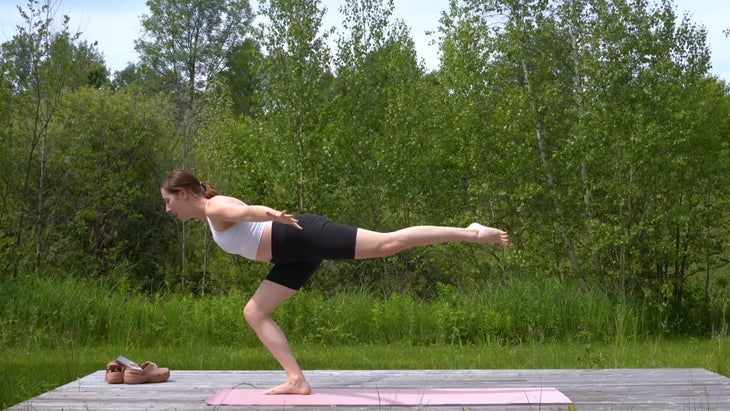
(116, 24)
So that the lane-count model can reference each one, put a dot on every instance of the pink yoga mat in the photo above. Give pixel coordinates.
(402, 396)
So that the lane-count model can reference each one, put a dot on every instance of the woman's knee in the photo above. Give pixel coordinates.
(252, 313)
(371, 244)
(391, 246)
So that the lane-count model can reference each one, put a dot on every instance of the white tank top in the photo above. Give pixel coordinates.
(242, 238)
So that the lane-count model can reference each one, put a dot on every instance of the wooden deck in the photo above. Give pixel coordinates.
(611, 389)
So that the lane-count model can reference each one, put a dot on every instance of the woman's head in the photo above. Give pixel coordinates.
(183, 180)
(181, 191)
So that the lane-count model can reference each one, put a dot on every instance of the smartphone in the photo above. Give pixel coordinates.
(129, 363)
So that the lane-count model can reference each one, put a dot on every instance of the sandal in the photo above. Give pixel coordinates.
(114, 373)
(149, 373)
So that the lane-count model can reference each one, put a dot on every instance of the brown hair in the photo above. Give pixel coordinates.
(183, 179)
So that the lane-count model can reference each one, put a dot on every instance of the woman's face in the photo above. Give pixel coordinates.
(177, 204)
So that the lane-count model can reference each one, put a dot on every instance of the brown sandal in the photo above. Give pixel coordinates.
(114, 373)
(149, 373)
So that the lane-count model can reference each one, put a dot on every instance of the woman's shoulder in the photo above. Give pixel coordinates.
(223, 208)
(222, 211)
(224, 201)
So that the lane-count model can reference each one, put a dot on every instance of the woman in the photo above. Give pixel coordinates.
(296, 246)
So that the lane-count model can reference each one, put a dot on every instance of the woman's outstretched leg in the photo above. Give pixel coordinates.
(371, 244)
(258, 312)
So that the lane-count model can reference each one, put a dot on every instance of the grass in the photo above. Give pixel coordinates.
(53, 331)
(76, 312)
(25, 373)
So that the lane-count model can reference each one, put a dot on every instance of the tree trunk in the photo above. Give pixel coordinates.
(539, 133)
(578, 88)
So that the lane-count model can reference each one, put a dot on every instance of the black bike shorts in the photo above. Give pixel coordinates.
(297, 254)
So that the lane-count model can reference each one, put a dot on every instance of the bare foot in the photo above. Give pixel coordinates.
(300, 387)
(490, 235)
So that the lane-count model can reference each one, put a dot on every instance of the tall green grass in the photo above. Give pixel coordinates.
(72, 311)
(50, 313)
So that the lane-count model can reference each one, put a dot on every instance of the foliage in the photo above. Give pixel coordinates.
(591, 131)
(242, 73)
(296, 81)
(39, 66)
(189, 40)
(594, 100)
(110, 167)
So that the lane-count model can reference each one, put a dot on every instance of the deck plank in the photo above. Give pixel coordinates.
(606, 389)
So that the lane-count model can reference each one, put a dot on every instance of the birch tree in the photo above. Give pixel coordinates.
(297, 78)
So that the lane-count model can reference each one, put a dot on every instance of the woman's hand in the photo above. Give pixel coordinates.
(284, 218)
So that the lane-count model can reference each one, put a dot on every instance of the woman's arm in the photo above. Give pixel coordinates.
(229, 209)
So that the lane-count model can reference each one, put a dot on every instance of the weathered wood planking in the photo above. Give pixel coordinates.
(610, 389)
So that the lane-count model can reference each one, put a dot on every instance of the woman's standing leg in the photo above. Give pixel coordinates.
(258, 312)
(372, 244)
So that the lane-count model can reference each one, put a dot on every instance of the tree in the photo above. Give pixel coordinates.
(592, 96)
(392, 157)
(110, 159)
(242, 73)
(187, 43)
(363, 91)
(294, 89)
(495, 126)
(652, 74)
(40, 65)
